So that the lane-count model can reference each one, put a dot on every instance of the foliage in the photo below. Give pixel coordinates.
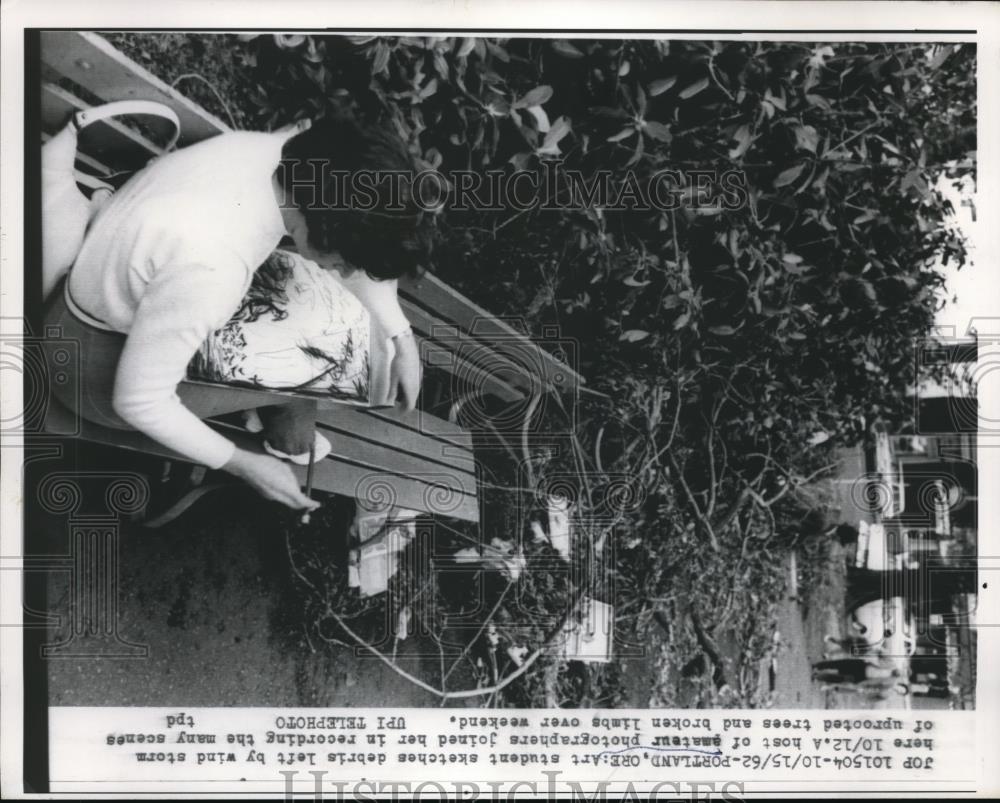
(210, 70)
(735, 348)
(841, 146)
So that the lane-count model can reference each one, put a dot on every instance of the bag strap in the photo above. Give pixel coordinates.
(84, 117)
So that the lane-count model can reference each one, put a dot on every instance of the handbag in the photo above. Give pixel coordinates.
(66, 211)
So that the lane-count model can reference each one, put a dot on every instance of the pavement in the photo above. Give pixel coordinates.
(212, 600)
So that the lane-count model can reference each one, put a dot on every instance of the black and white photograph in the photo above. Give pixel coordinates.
(565, 371)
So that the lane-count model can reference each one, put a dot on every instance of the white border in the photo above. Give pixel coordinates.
(488, 16)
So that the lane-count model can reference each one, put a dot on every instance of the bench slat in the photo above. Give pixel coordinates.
(89, 60)
(428, 495)
(481, 378)
(470, 356)
(106, 141)
(424, 423)
(382, 460)
(91, 182)
(434, 489)
(210, 399)
(382, 430)
(92, 163)
(433, 294)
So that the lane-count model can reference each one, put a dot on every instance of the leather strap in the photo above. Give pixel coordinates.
(84, 117)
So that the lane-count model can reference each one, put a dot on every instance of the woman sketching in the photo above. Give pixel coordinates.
(169, 270)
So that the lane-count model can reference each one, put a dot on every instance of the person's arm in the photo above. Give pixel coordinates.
(179, 309)
(381, 299)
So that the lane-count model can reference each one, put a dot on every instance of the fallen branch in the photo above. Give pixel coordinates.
(440, 693)
(706, 525)
(733, 510)
(444, 695)
(711, 650)
(525, 451)
(482, 629)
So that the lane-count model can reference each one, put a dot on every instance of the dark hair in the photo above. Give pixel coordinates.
(391, 239)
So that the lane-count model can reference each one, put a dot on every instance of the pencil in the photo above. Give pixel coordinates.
(309, 478)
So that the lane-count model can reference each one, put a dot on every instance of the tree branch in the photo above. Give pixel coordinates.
(706, 525)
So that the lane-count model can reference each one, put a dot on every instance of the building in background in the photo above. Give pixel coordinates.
(922, 548)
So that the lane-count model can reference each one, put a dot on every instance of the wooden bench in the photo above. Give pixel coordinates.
(422, 460)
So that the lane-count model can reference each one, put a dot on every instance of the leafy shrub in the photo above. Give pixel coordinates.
(734, 347)
(804, 303)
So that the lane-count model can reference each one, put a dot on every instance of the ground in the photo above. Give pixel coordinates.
(213, 597)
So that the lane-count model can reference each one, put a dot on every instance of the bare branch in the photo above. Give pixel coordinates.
(695, 507)
(479, 632)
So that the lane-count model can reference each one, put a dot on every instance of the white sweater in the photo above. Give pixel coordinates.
(169, 259)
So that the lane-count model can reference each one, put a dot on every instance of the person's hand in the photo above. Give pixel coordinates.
(272, 478)
(405, 371)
